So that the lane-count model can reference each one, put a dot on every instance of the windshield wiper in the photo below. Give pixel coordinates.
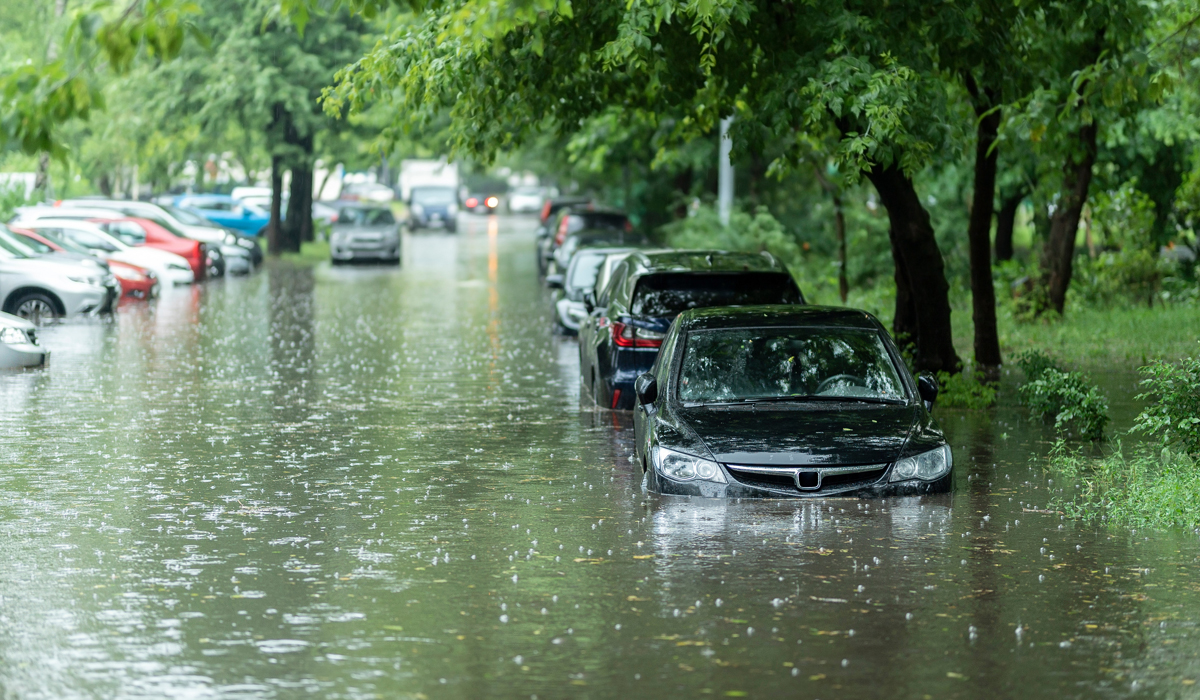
(797, 399)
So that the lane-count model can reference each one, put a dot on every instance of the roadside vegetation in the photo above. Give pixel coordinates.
(1155, 481)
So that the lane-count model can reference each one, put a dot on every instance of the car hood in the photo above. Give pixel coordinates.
(16, 321)
(804, 434)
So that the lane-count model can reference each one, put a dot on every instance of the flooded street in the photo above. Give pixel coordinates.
(363, 482)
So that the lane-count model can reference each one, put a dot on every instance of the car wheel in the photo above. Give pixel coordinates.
(36, 307)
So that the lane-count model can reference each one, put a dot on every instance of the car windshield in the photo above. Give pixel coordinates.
(13, 248)
(435, 196)
(186, 217)
(774, 364)
(582, 274)
(360, 216)
(671, 293)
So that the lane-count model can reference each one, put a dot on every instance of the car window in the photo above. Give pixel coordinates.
(582, 274)
(619, 222)
(435, 196)
(35, 244)
(127, 231)
(14, 248)
(90, 240)
(772, 363)
(668, 294)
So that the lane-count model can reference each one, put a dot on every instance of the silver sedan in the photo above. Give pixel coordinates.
(19, 345)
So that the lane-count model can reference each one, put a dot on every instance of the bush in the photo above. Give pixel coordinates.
(1149, 489)
(965, 390)
(1076, 406)
(745, 233)
(1174, 415)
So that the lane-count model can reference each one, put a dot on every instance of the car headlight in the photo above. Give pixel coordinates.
(89, 280)
(231, 239)
(678, 466)
(452, 209)
(178, 266)
(418, 209)
(13, 336)
(926, 466)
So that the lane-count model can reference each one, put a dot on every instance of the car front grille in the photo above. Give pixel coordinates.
(812, 480)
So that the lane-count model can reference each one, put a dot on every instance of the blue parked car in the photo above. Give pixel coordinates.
(223, 210)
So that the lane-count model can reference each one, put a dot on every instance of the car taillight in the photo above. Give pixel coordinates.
(545, 211)
(562, 231)
(628, 226)
(472, 202)
(627, 336)
(333, 219)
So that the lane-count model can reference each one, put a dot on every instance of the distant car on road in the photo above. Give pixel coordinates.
(363, 232)
(627, 323)
(482, 203)
(527, 198)
(786, 401)
(19, 344)
(433, 207)
(226, 211)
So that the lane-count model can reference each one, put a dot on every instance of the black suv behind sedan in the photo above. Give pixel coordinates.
(786, 401)
(626, 324)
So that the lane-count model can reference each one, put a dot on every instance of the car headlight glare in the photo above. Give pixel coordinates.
(88, 280)
(13, 336)
(418, 209)
(678, 466)
(926, 466)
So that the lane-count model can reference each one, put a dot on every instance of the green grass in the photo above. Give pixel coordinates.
(310, 253)
(1148, 488)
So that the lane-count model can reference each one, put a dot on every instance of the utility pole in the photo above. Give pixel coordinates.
(725, 173)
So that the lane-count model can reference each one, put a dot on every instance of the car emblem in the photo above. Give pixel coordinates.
(808, 479)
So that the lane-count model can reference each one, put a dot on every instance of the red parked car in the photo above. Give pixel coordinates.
(135, 231)
(136, 282)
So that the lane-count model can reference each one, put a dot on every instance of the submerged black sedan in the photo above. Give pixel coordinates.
(786, 401)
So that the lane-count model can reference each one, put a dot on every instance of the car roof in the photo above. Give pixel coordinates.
(83, 224)
(648, 262)
(776, 315)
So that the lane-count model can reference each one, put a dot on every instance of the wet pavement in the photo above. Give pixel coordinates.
(364, 482)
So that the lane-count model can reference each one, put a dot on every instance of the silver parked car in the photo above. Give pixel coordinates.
(41, 290)
(19, 344)
(579, 279)
(365, 233)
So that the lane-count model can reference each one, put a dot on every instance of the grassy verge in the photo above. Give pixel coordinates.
(1148, 488)
(310, 253)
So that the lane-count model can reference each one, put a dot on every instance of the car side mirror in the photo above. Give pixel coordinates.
(928, 388)
(646, 389)
(589, 301)
(554, 281)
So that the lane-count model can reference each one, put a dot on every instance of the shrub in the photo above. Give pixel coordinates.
(965, 390)
(1076, 406)
(747, 233)
(1174, 414)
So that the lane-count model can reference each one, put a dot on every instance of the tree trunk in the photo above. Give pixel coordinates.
(979, 229)
(1064, 223)
(1006, 220)
(904, 318)
(275, 227)
(919, 265)
(839, 224)
(298, 224)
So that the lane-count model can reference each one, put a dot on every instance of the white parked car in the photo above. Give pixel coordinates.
(19, 345)
(169, 267)
(527, 199)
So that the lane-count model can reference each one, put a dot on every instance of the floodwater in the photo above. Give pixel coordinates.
(365, 482)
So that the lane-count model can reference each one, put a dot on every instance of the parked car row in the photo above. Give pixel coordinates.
(84, 257)
(738, 387)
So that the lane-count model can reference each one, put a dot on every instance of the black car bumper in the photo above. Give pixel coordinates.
(734, 489)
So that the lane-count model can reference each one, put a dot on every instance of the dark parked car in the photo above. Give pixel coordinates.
(547, 219)
(786, 401)
(626, 324)
(433, 207)
(363, 232)
(574, 220)
(591, 238)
